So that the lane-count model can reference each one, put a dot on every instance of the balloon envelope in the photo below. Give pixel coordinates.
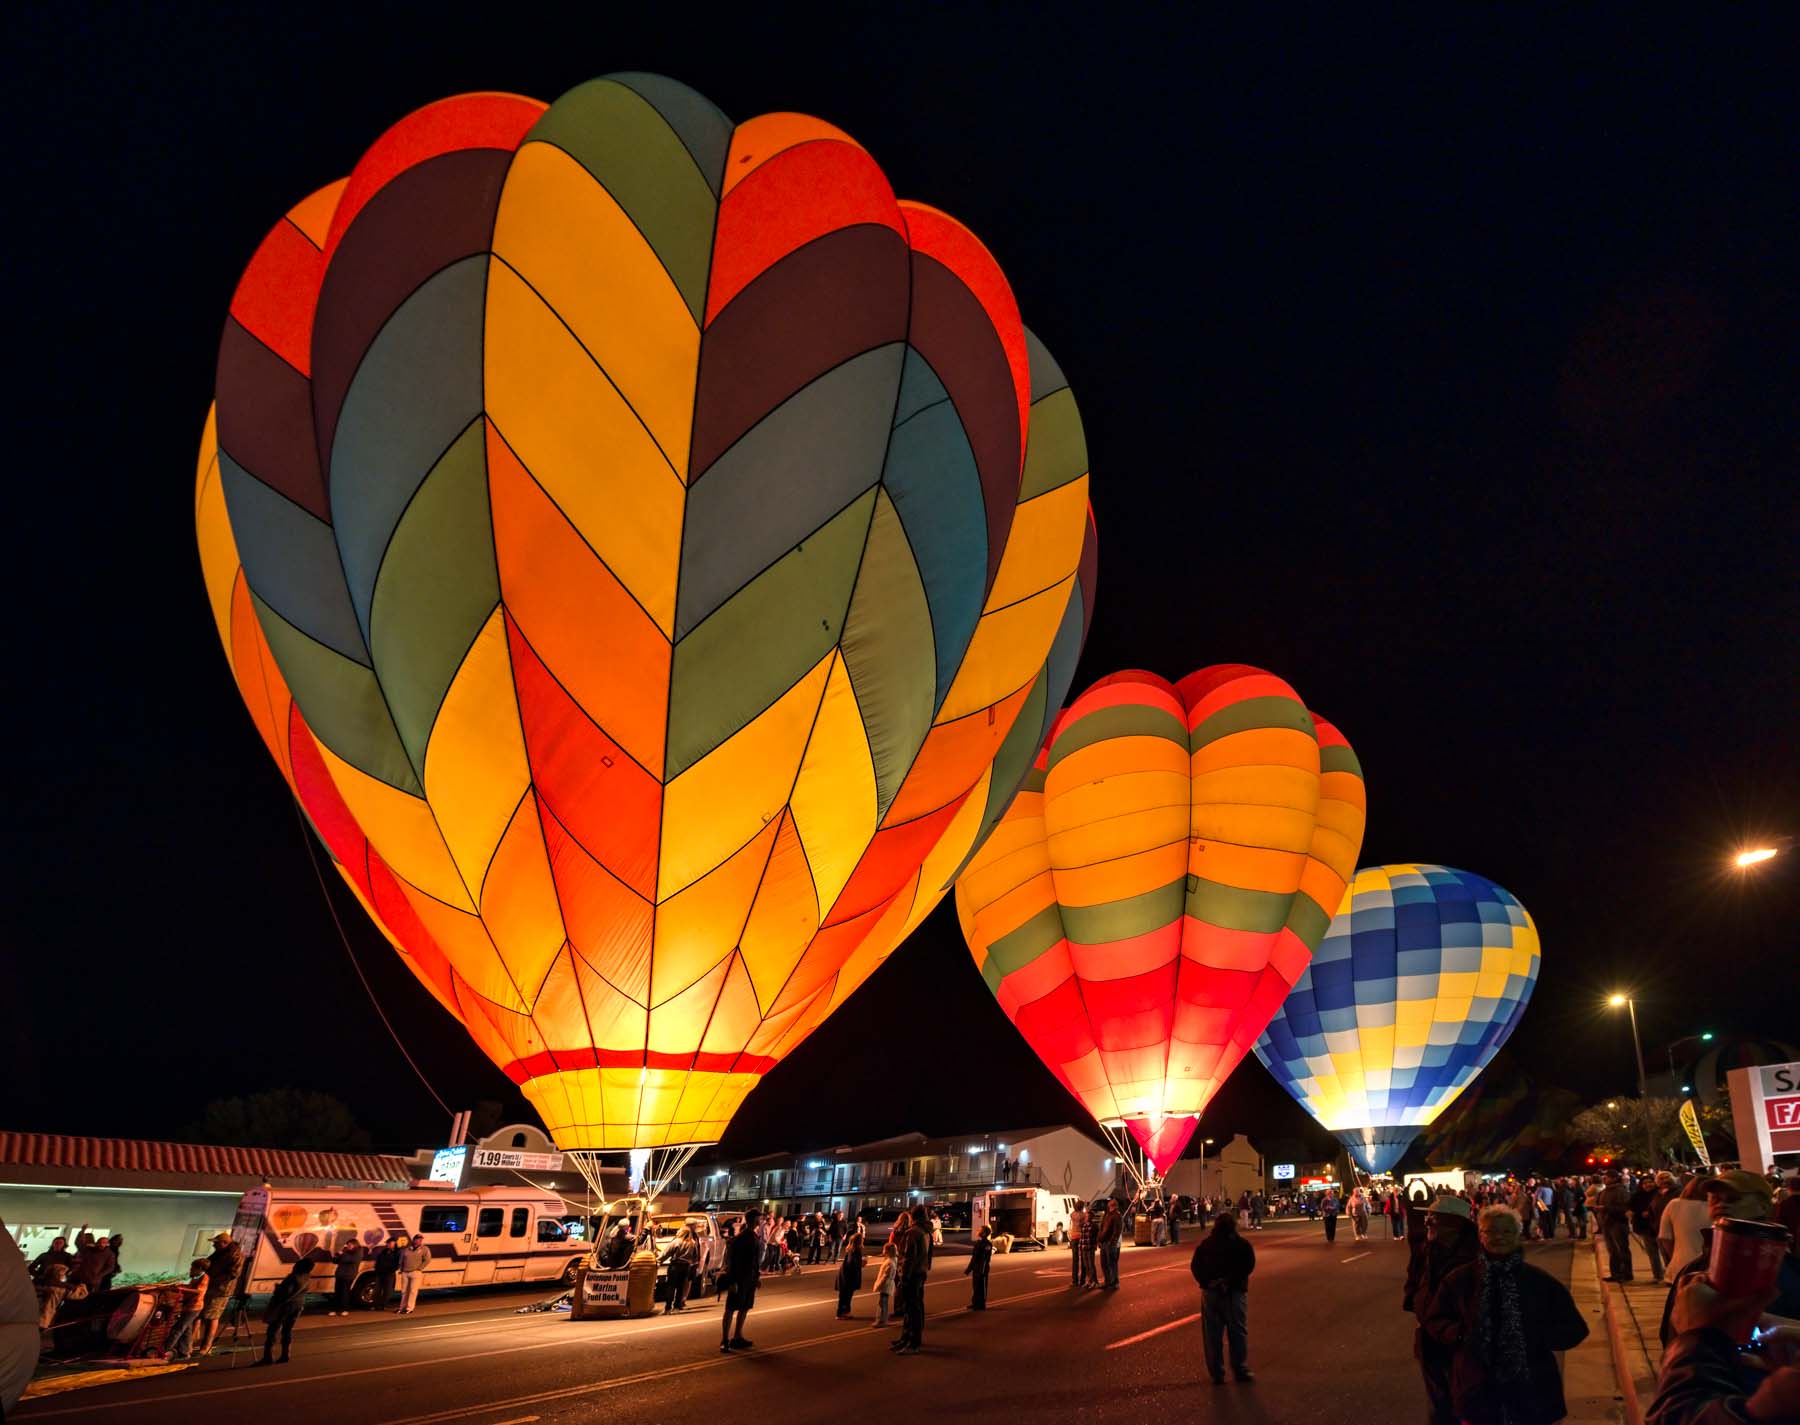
(636, 537)
(1157, 886)
(1163, 1140)
(1422, 976)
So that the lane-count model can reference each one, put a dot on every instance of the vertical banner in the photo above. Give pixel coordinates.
(1690, 1120)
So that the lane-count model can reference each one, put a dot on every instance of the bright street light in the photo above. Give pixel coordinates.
(1755, 856)
(1637, 1048)
(1617, 1001)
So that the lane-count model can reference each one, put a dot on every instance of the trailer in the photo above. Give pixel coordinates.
(483, 1235)
(1032, 1217)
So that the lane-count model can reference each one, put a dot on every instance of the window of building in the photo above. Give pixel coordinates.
(488, 1224)
(518, 1140)
(444, 1219)
(520, 1217)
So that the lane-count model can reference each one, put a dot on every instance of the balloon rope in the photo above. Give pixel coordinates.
(344, 940)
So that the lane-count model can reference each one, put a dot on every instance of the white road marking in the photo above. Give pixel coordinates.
(1359, 1256)
(1153, 1331)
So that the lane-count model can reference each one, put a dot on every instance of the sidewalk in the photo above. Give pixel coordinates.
(1612, 1375)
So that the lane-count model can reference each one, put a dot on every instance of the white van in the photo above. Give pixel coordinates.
(1032, 1217)
(489, 1234)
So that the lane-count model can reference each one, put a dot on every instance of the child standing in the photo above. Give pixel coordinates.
(884, 1283)
(193, 1293)
(980, 1257)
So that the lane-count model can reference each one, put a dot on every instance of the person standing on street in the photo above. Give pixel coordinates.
(415, 1256)
(1359, 1214)
(286, 1303)
(1090, 1248)
(187, 1327)
(914, 1266)
(1257, 1207)
(835, 1234)
(684, 1257)
(1614, 1206)
(1112, 1229)
(884, 1283)
(1446, 1242)
(1506, 1321)
(1222, 1266)
(1077, 1230)
(981, 1255)
(741, 1277)
(1679, 1228)
(1328, 1209)
(849, 1273)
(1175, 1220)
(223, 1268)
(1645, 1213)
(346, 1263)
(387, 1267)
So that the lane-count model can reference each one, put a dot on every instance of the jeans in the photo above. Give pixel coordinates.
(1331, 1227)
(182, 1342)
(384, 1290)
(409, 1289)
(1075, 1255)
(1109, 1262)
(1652, 1250)
(1225, 1315)
(1618, 1249)
(341, 1296)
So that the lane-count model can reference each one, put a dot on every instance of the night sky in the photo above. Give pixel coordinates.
(1449, 373)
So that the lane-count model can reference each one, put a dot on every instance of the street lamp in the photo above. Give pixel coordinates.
(1615, 1000)
(1705, 1038)
(1755, 856)
(1203, 1143)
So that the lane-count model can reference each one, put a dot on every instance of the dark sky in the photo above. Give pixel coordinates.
(1448, 372)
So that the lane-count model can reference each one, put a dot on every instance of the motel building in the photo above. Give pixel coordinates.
(887, 1176)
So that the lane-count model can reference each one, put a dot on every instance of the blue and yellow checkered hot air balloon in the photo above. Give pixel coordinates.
(1420, 978)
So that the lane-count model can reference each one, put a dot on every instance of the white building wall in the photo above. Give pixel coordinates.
(1067, 1160)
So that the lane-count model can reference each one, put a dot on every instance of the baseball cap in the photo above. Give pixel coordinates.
(221, 1237)
(1741, 1183)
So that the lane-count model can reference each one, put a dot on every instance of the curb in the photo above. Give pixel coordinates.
(1615, 1335)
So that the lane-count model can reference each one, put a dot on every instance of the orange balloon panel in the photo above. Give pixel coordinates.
(648, 549)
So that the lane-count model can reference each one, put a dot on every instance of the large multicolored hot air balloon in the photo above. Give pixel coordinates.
(638, 539)
(1422, 976)
(1159, 884)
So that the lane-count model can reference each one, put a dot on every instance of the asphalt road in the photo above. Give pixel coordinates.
(1328, 1344)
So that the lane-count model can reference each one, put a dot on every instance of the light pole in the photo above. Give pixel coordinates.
(1705, 1038)
(1203, 1143)
(1637, 1048)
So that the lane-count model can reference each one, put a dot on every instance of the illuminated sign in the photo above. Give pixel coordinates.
(1283, 1172)
(447, 1165)
(528, 1162)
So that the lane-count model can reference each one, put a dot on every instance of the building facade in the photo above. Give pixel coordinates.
(894, 1173)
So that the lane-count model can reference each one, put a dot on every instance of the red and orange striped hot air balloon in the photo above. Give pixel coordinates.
(1160, 882)
(649, 550)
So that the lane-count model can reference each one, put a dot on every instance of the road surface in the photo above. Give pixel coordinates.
(1328, 1344)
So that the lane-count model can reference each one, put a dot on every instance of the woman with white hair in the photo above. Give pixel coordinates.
(1506, 1321)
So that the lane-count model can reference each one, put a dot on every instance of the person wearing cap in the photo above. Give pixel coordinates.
(1746, 1197)
(1701, 1381)
(223, 1268)
(1447, 1243)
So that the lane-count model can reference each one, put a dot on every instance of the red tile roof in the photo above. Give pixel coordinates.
(53, 1150)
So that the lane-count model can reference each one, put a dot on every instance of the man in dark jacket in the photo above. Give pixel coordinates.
(387, 1267)
(1615, 1225)
(981, 1257)
(914, 1266)
(1646, 1216)
(286, 1303)
(1112, 1229)
(346, 1262)
(1506, 1322)
(1222, 1266)
(1700, 1380)
(740, 1278)
(1445, 1242)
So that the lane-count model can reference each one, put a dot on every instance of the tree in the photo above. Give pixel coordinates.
(1615, 1129)
(280, 1118)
